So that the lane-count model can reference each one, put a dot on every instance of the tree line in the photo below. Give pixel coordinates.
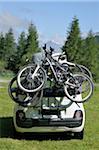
(83, 51)
(14, 54)
(79, 50)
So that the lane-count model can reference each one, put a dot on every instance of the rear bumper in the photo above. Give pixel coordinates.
(33, 122)
(29, 123)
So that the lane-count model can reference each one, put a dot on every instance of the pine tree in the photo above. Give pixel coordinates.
(21, 48)
(2, 44)
(73, 43)
(32, 45)
(10, 50)
(17, 56)
(91, 55)
(10, 45)
(2, 54)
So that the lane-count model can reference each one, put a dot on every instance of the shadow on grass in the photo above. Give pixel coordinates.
(7, 131)
(6, 127)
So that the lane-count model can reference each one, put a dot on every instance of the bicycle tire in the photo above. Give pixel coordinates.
(25, 87)
(73, 97)
(85, 70)
(14, 91)
(34, 99)
(79, 69)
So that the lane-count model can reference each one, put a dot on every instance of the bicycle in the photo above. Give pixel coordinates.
(33, 78)
(76, 68)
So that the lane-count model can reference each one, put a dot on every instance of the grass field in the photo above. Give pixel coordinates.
(7, 142)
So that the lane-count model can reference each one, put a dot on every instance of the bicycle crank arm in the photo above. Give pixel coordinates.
(70, 84)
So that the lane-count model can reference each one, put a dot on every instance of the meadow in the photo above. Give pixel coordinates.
(8, 142)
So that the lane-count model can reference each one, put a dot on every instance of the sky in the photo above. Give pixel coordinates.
(52, 19)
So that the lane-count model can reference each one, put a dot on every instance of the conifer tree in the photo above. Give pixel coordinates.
(73, 42)
(32, 45)
(17, 56)
(10, 49)
(21, 48)
(2, 44)
(91, 55)
(10, 45)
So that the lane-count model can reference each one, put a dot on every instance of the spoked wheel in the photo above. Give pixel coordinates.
(31, 78)
(17, 94)
(76, 69)
(85, 70)
(23, 98)
(79, 88)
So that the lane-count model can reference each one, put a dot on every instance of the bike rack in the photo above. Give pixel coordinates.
(49, 94)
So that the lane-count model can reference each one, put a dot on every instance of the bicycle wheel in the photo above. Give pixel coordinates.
(85, 70)
(77, 69)
(31, 78)
(17, 94)
(21, 97)
(79, 88)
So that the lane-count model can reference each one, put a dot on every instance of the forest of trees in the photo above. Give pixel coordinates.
(83, 51)
(80, 50)
(12, 54)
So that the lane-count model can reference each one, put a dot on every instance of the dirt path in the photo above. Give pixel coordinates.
(3, 81)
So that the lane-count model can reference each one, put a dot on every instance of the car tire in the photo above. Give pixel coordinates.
(17, 135)
(79, 135)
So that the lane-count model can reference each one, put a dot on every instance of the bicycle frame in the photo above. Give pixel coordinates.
(50, 59)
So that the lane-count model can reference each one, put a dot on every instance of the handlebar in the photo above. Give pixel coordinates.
(48, 52)
(44, 47)
(62, 56)
(51, 49)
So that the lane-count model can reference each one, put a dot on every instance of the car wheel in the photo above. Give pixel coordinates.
(79, 135)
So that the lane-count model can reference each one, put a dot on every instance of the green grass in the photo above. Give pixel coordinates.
(7, 142)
